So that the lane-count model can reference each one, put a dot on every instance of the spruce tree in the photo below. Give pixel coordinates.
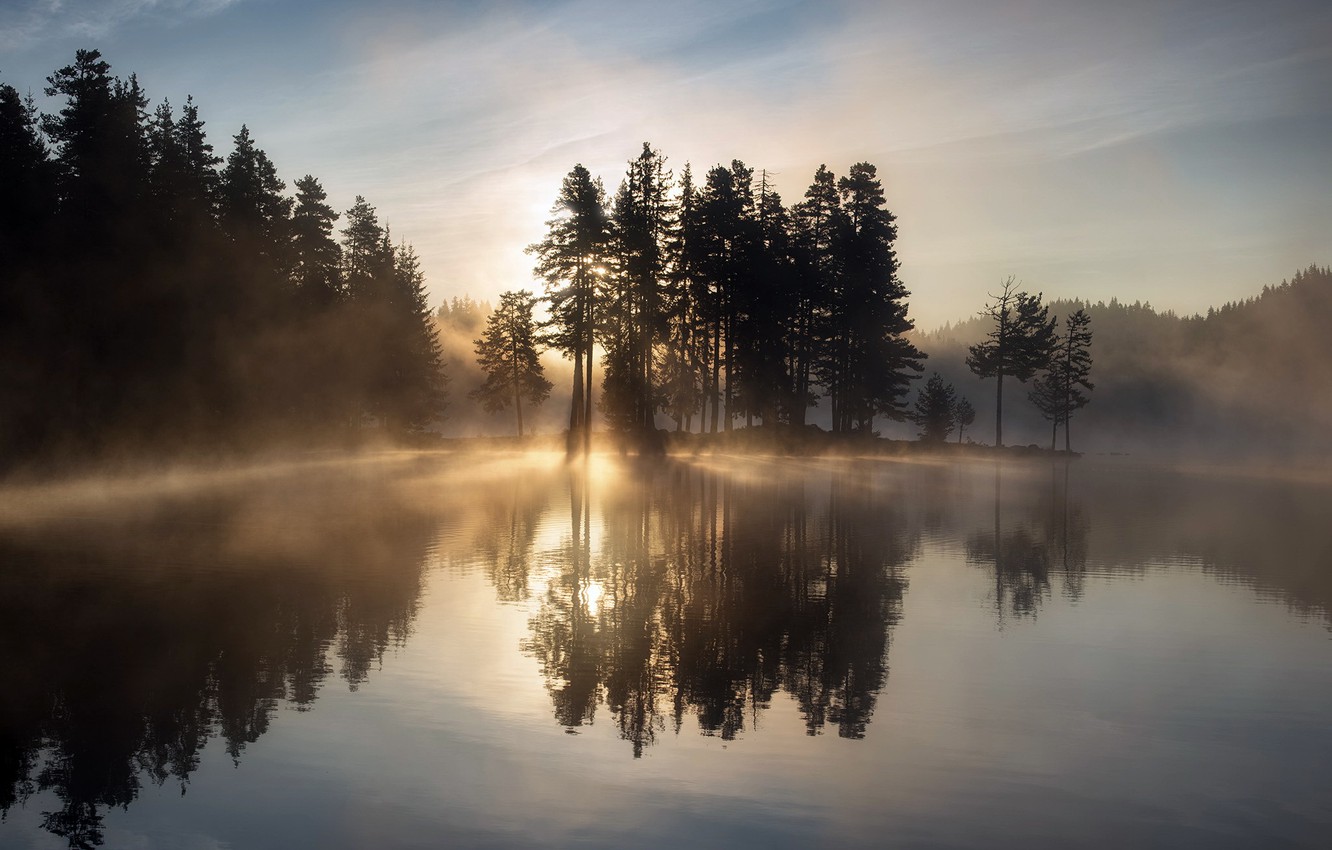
(419, 391)
(315, 255)
(507, 352)
(253, 209)
(635, 319)
(874, 363)
(818, 224)
(684, 358)
(572, 260)
(1059, 391)
(934, 411)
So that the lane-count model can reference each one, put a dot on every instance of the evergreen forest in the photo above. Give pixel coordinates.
(158, 295)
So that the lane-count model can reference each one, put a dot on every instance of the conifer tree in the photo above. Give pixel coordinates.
(634, 321)
(106, 354)
(934, 411)
(1018, 346)
(872, 364)
(818, 224)
(253, 209)
(507, 351)
(1059, 391)
(572, 260)
(315, 255)
(420, 385)
(684, 359)
(724, 232)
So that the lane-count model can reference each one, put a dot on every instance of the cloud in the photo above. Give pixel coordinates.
(93, 19)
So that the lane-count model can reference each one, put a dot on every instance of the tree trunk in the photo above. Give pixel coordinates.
(999, 411)
(715, 389)
(517, 390)
(518, 405)
(576, 405)
(728, 421)
(587, 398)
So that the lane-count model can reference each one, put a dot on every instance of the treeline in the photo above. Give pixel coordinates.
(714, 303)
(1246, 378)
(154, 294)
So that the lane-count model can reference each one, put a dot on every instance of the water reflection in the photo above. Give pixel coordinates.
(131, 639)
(666, 596)
(706, 594)
(1048, 536)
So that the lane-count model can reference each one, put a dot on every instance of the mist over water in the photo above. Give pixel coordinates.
(499, 649)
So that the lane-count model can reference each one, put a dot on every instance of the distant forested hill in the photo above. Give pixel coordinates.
(1252, 377)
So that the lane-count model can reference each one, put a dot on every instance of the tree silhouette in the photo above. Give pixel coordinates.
(685, 356)
(508, 354)
(316, 256)
(818, 222)
(1018, 345)
(935, 410)
(871, 363)
(1059, 391)
(156, 299)
(634, 318)
(572, 259)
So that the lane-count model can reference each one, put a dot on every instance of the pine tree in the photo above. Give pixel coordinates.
(1018, 346)
(1059, 391)
(198, 190)
(818, 223)
(572, 259)
(635, 319)
(316, 257)
(873, 363)
(684, 359)
(507, 351)
(29, 180)
(934, 411)
(254, 211)
(27, 213)
(107, 350)
(419, 391)
(767, 309)
(723, 231)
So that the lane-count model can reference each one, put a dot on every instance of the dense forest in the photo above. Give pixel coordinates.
(716, 304)
(158, 295)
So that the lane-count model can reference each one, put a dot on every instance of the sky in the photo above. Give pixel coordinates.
(1178, 153)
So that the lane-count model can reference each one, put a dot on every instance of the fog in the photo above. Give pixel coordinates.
(1246, 383)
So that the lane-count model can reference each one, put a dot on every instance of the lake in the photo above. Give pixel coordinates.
(427, 650)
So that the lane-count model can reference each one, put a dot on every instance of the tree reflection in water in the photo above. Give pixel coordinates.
(713, 593)
(670, 594)
(129, 641)
(1048, 537)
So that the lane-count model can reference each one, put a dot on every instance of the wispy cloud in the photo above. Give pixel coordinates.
(92, 19)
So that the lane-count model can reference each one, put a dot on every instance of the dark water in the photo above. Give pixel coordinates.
(428, 651)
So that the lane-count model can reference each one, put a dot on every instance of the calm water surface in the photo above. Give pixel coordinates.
(496, 651)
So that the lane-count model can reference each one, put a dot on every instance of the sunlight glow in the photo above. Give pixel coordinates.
(591, 596)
